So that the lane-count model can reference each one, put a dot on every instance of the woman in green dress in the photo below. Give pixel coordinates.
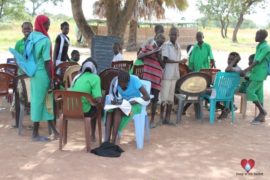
(40, 82)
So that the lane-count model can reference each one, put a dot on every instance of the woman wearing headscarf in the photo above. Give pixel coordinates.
(87, 81)
(41, 81)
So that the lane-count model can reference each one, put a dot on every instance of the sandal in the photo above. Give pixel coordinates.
(40, 139)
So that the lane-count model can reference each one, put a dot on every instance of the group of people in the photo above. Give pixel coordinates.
(160, 59)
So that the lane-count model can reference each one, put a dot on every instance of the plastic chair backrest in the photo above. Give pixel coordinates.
(9, 68)
(225, 85)
(5, 79)
(72, 103)
(211, 72)
(25, 90)
(138, 71)
(123, 65)
(63, 67)
(69, 74)
(193, 84)
(147, 86)
(106, 77)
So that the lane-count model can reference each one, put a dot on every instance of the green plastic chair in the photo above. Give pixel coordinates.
(223, 90)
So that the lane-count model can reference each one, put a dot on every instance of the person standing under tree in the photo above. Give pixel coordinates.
(61, 45)
(258, 73)
(171, 53)
(201, 55)
(41, 81)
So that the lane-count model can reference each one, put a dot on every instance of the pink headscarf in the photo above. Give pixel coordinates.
(39, 24)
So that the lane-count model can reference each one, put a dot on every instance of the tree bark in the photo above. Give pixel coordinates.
(237, 27)
(132, 37)
(222, 28)
(80, 20)
(117, 17)
(226, 28)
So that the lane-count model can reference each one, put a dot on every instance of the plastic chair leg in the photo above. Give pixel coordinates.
(147, 128)
(139, 121)
(212, 111)
(181, 104)
(243, 105)
(21, 118)
(232, 110)
(87, 122)
(61, 127)
(201, 108)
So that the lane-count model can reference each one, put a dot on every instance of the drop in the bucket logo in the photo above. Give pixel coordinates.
(247, 164)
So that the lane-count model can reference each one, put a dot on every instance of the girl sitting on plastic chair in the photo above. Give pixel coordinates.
(123, 87)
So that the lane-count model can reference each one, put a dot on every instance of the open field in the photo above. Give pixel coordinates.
(11, 32)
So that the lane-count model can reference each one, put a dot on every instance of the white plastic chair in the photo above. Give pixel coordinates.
(141, 121)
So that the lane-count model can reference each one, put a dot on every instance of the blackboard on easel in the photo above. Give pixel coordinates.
(102, 50)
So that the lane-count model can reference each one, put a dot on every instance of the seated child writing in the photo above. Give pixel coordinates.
(124, 86)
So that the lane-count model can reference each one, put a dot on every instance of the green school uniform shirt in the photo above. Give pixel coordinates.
(88, 83)
(20, 48)
(200, 57)
(259, 72)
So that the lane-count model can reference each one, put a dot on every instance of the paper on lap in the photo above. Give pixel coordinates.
(126, 106)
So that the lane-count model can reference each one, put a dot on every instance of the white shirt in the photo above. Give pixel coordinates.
(173, 52)
(117, 57)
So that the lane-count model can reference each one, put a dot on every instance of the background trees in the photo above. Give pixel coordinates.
(12, 9)
(145, 9)
(226, 10)
(36, 4)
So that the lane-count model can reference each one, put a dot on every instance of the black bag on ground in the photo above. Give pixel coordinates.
(108, 149)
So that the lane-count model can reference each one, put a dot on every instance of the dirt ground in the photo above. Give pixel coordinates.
(191, 150)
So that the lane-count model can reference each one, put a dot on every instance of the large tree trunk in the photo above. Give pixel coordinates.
(237, 27)
(80, 20)
(132, 37)
(117, 17)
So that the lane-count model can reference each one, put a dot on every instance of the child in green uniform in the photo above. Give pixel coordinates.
(244, 84)
(202, 56)
(258, 73)
(27, 28)
(88, 82)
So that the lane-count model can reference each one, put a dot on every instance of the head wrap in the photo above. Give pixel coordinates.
(39, 24)
(86, 65)
(89, 65)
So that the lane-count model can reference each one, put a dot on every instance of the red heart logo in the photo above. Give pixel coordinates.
(247, 164)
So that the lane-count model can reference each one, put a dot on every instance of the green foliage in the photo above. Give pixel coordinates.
(36, 4)
(12, 9)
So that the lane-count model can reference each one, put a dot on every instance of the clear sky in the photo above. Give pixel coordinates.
(261, 17)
